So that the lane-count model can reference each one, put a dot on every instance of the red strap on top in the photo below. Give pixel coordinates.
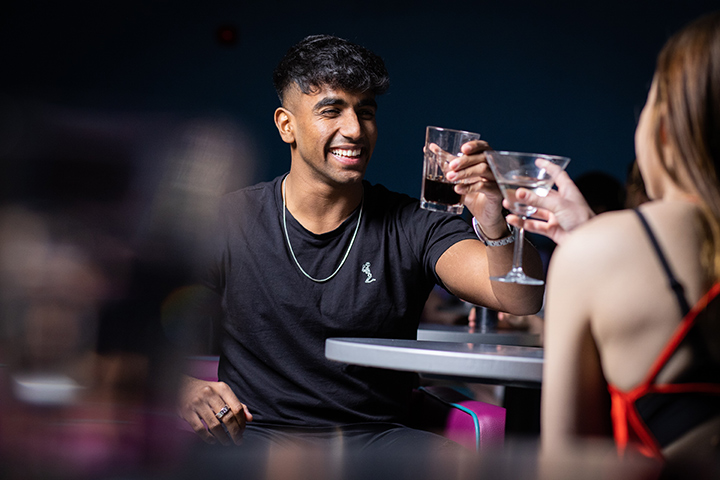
(625, 418)
(627, 421)
(618, 414)
(680, 333)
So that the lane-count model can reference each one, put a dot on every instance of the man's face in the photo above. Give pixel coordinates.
(333, 133)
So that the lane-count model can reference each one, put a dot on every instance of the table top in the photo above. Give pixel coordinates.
(482, 363)
(462, 333)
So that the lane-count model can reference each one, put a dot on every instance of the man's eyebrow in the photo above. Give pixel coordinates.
(324, 102)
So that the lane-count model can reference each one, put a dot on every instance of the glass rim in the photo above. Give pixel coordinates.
(451, 130)
(546, 156)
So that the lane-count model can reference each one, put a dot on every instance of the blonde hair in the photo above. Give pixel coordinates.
(688, 88)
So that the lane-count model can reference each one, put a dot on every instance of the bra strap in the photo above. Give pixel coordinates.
(674, 283)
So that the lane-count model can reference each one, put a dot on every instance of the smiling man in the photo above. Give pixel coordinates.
(319, 252)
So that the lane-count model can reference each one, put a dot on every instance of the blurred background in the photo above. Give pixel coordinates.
(122, 121)
(559, 77)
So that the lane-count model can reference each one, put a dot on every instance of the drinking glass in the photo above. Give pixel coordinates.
(442, 145)
(515, 170)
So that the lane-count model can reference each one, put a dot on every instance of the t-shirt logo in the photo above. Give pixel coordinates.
(366, 271)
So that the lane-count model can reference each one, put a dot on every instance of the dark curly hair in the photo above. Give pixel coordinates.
(324, 60)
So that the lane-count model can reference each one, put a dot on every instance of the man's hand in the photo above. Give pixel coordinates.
(562, 210)
(481, 194)
(200, 400)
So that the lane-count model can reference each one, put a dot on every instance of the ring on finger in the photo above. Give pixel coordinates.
(223, 411)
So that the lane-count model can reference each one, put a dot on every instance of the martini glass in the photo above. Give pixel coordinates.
(515, 170)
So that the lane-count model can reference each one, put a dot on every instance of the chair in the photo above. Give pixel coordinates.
(444, 410)
(204, 367)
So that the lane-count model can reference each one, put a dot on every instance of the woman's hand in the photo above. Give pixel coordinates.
(559, 213)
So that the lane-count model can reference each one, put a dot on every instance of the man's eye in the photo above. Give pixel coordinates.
(330, 112)
(367, 114)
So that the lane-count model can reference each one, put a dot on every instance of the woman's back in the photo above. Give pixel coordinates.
(618, 336)
(636, 311)
(619, 295)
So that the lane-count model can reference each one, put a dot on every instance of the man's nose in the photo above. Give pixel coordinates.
(351, 126)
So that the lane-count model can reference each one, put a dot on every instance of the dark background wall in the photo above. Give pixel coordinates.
(560, 77)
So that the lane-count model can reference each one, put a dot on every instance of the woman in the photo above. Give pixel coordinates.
(626, 332)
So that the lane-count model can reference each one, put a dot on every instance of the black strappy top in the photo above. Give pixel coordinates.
(652, 415)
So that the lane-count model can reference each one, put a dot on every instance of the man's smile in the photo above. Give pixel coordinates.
(347, 154)
(344, 152)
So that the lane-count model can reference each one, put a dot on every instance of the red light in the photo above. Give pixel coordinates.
(227, 35)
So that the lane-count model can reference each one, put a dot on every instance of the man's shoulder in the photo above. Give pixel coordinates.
(253, 190)
(258, 192)
(249, 205)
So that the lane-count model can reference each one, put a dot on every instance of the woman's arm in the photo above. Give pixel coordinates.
(575, 401)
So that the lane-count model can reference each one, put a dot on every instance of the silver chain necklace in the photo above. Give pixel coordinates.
(287, 237)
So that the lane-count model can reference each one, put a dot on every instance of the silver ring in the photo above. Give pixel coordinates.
(223, 411)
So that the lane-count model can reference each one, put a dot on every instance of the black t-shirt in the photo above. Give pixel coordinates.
(276, 319)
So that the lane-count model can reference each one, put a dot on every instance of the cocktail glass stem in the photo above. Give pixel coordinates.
(517, 267)
(516, 274)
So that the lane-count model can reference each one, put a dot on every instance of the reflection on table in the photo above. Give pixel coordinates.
(463, 333)
(484, 363)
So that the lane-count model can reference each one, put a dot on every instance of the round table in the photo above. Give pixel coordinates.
(483, 363)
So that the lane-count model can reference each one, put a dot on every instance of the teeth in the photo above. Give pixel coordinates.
(346, 153)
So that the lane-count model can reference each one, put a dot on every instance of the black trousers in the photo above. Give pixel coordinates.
(357, 438)
(362, 451)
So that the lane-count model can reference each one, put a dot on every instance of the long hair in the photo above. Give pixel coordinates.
(688, 87)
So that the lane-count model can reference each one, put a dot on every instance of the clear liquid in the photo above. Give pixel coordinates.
(512, 181)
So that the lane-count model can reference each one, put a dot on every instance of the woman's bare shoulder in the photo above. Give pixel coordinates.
(606, 235)
(615, 242)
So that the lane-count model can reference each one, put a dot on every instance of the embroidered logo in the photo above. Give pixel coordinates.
(366, 271)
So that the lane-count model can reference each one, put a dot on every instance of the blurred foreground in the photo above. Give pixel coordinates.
(104, 221)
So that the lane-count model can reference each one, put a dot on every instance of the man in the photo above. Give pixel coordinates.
(319, 253)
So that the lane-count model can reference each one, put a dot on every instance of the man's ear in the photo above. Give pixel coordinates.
(284, 121)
